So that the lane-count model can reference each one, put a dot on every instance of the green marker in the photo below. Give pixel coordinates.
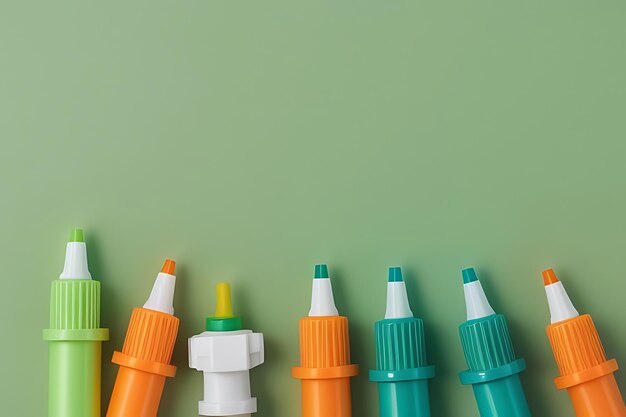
(401, 371)
(75, 337)
(493, 367)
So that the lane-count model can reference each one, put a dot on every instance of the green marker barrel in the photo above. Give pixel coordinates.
(401, 371)
(493, 368)
(75, 337)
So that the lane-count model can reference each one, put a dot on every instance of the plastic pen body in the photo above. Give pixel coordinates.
(586, 373)
(75, 350)
(493, 367)
(145, 357)
(325, 368)
(75, 337)
(401, 370)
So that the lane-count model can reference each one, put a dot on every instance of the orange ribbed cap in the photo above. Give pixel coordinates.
(151, 336)
(324, 349)
(324, 342)
(576, 345)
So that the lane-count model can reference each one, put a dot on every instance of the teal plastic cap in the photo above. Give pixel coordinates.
(77, 235)
(395, 274)
(321, 271)
(487, 343)
(469, 275)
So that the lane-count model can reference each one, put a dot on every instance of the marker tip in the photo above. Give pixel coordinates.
(321, 271)
(395, 274)
(549, 277)
(77, 235)
(169, 267)
(469, 275)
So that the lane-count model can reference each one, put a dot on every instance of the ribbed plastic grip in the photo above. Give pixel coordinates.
(324, 342)
(400, 344)
(576, 344)
(151, 336)
(487, 343)
(75, 304)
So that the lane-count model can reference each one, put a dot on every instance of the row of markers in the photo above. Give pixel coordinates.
(226, 352)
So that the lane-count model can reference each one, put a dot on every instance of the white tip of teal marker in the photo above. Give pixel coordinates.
(76, 266)
(476, 303)
(162, 295)
(322, 300)
(397, 300)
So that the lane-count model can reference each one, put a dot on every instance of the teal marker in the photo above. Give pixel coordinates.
(401, 371)
(493, 368)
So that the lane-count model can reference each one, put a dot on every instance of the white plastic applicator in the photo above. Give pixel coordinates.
(162, 295)
(322, 300)
(561, 307)
(225, 353)
(397, 299)
(476, 303)
(76, 266)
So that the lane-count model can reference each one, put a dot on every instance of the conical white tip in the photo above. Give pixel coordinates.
(76, 266)
(476, 302)
(162, 295)
(322, 300)
(397, 301)
(561, 307)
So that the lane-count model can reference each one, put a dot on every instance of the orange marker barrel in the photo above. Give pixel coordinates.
(586, 373)
(145, 357)
(325, 368)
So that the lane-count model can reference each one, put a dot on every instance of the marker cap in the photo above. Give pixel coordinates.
(75, 301)
(484, 336)
(400, 344)
(224, 319)
(574, 339)
(487, 343)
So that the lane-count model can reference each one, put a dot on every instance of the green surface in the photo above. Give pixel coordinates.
(251, 140)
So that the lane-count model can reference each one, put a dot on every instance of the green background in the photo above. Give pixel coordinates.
(250, 140)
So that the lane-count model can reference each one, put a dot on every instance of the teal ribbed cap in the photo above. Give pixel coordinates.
(486, 343)
(400, 344)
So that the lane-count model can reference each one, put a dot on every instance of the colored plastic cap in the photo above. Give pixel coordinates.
(395, 274)
(77, 235)
(169, 267)
(321, 271)
(224, 319)
(549, 277)
(224, 306)
(469, 275)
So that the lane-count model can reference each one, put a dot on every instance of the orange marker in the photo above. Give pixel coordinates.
(585, 371)
(145, 358)
(325, 368)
